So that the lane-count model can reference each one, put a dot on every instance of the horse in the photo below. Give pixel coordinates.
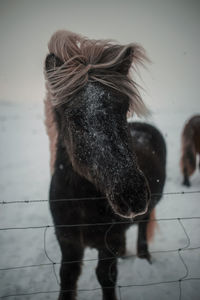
(104, 168)
(190, 145)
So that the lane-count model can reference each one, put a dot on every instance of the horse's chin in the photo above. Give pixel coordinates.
(129, 215)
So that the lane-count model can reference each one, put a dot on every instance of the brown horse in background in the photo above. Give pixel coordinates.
(190, 142)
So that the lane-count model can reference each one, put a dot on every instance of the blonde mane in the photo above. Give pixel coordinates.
(85, 60)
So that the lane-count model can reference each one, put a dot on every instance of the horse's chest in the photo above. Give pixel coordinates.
(96, 220)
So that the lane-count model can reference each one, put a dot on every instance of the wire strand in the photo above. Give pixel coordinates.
(97, 224)
(98, 288)
(89, 198)
(95, 259)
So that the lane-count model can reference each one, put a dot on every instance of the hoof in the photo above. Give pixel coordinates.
(145, 255)
(186, 183)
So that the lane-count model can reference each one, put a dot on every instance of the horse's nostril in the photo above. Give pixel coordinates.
(141, 207)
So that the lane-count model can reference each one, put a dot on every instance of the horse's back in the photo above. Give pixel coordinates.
(150, 148)
(148, 139)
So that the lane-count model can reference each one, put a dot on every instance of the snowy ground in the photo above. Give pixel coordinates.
(24, 175)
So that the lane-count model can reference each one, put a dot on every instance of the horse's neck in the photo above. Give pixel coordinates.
(62, 160)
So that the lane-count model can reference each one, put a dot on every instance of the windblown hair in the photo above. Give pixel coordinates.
(83, 60)
(52, 132)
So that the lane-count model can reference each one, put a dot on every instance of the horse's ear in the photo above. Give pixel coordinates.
(52, 62)
(126, 61)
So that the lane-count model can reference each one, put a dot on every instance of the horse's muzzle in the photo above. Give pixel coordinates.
(132, 200)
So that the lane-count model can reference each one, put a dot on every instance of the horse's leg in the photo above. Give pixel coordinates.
(72, 254)
(199, 161)
(106, 272)
(186, 181)
(142, 243)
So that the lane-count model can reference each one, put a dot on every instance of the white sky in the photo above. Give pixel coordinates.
(168, 30)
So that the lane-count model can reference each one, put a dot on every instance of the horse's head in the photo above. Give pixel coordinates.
(91, 94)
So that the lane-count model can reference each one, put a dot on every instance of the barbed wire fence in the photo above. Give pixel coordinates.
(179, 281)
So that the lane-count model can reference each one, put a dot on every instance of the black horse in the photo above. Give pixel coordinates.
(107, 165)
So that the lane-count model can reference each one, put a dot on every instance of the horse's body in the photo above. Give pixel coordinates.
(108, 166)
(190, 142)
